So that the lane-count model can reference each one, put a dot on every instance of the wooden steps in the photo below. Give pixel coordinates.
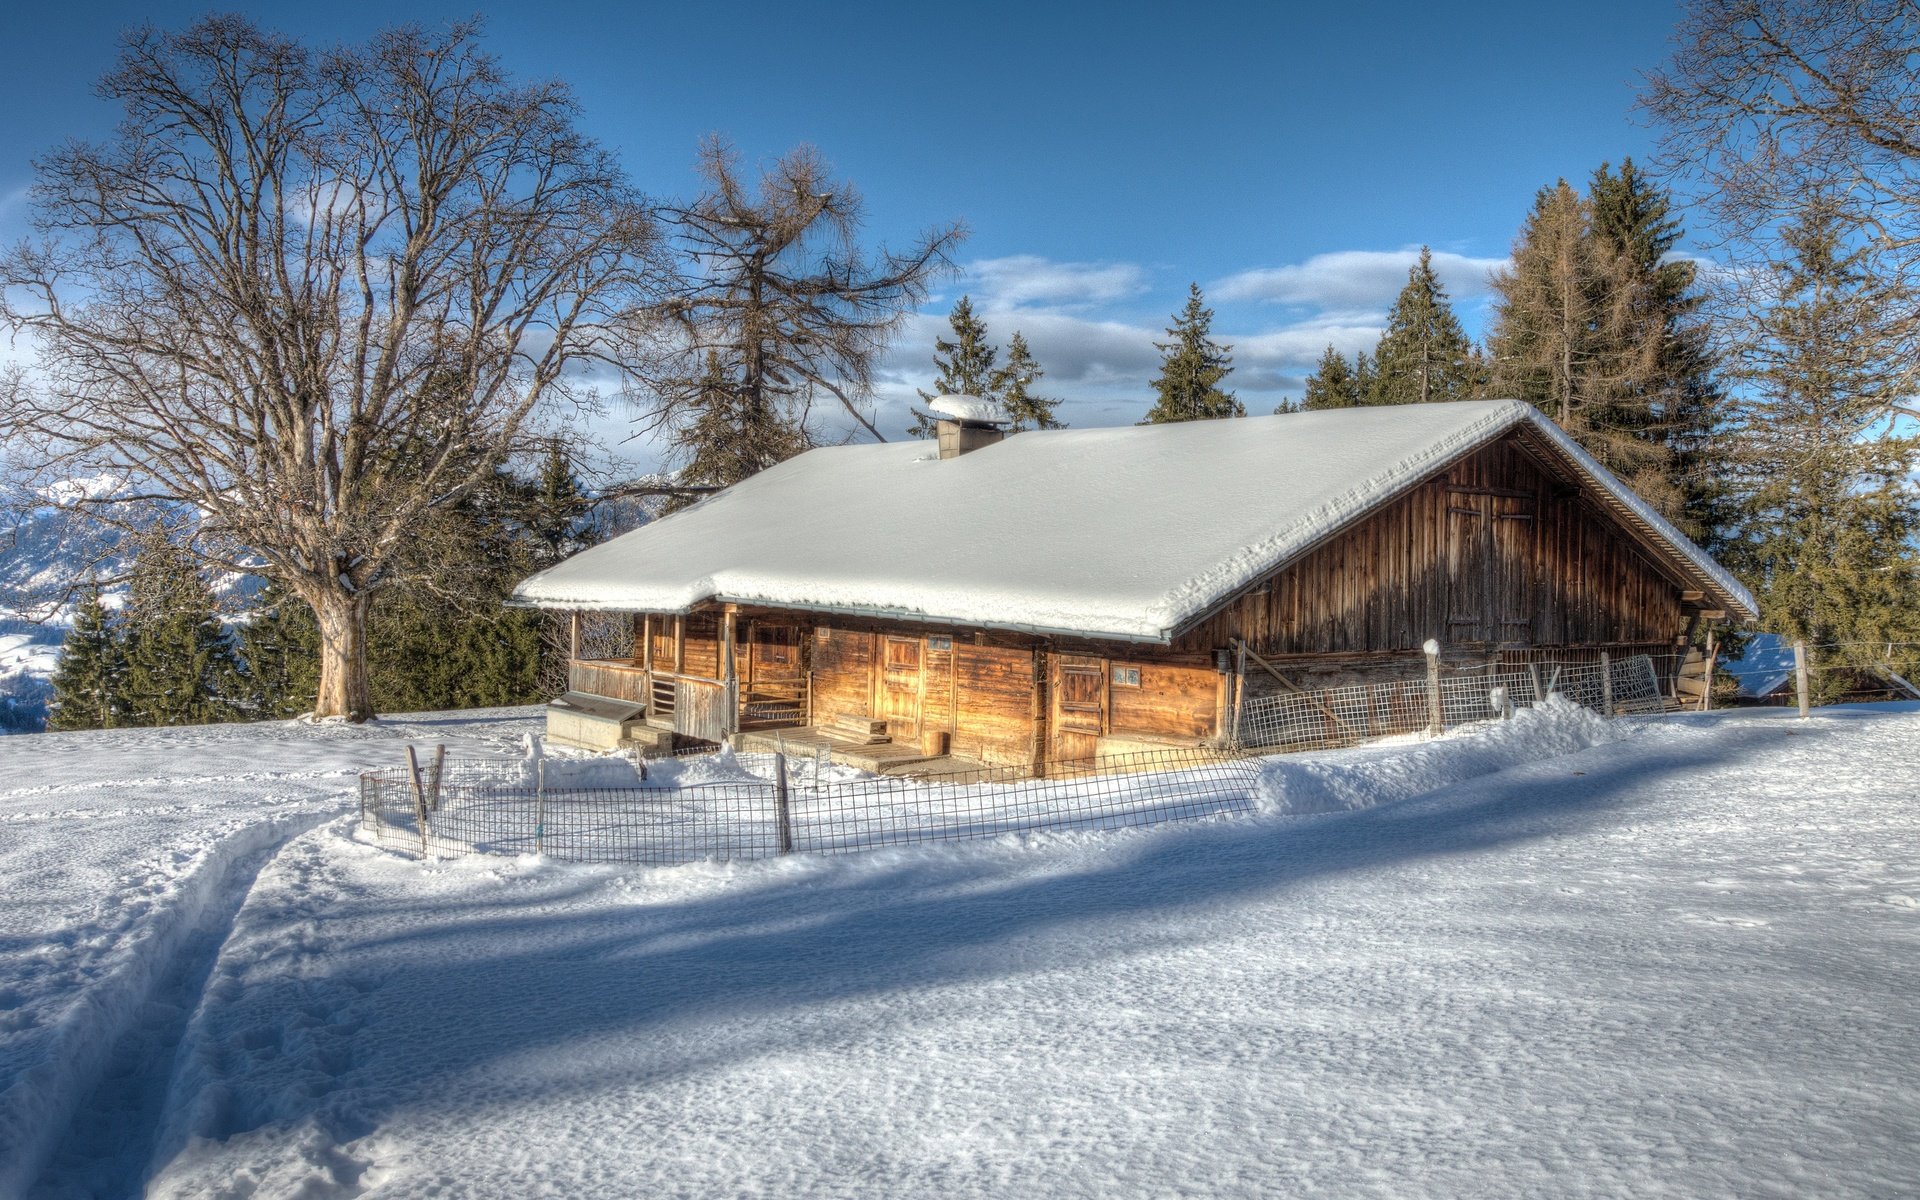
(860, 731)
(880, 758)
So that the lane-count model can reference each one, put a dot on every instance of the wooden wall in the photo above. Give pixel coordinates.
(1173, 700)
(1493, 553)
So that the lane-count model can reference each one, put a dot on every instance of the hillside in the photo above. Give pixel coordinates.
(1551, 958)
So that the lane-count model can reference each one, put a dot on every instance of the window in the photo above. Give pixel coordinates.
(1126, 677)
(939, 643)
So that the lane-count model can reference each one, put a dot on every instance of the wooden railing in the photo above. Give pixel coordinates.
(773, 706)
(696, 705)
(611, 678)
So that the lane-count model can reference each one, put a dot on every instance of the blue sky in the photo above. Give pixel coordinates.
(1288, 157)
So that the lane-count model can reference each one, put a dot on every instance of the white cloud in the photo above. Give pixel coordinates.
(1349, 280)
(1030, 280)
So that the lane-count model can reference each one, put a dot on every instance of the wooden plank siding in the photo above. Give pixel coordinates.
(1492, 553)
(1172, 700)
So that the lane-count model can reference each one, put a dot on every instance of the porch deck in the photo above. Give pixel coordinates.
(881, 758)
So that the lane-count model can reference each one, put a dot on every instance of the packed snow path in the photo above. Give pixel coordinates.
(1679, 963)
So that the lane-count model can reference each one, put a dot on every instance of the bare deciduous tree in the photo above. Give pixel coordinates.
(1769, 107)
(780, 307)
(315, 296)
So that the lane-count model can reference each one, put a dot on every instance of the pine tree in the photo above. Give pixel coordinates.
(1828, 517)
(1192, 368)
(1011, 383)
(1333, 383)
(280, 656)
(1676, 402)
(967, 368)
(559, 519)
(90, 681)
(731, 432)
(1364, 377)
(1424, 354)
(1597, 326)
(180, 664)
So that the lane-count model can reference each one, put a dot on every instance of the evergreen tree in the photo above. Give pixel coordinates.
(1828, 514)
(90, 681)
(1192, 368)
(1677, 400)
(180, 664)
(730, 432)
(1011, 384)
(965, 365)
(559, 519)
(1596, 326)
(1424, 355)
(1364, 376)
(280, 656)
(1333, 383)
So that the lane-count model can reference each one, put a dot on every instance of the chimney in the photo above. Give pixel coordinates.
(966, 423)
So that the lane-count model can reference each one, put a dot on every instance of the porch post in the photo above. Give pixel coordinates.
(573, 635)
(646, 641)
(728, 672)
(679, 644)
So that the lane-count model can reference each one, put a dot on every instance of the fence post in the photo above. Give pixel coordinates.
(1239, 686)
(782, 814)
(1533, 675)
(439, 773)
(419, 797)
(1606, 685)
(540, 804)
(1800, 675)
(1436, 714)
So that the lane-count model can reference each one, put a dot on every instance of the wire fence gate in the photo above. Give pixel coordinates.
(771, 804)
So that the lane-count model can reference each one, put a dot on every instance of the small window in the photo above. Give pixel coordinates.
(939, 643)
(1126, 677)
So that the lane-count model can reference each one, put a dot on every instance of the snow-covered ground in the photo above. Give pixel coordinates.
(1544, 958)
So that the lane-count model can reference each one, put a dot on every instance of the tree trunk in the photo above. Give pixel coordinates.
(345, 688)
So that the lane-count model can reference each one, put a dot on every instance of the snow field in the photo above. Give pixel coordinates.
(125, 855)
(1546, 957)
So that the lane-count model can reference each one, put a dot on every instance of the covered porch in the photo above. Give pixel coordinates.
(688, 678)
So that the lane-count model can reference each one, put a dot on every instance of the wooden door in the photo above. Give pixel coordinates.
(1469, 567)
(898, 701)
(1512, 565)
(1079, 707)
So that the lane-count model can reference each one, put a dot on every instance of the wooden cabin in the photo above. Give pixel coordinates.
(1067, 594)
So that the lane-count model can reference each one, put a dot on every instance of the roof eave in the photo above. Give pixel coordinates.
(867, 612)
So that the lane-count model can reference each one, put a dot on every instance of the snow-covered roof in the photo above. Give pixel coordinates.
(969, 408)
(1129, 533)
(1764, 667)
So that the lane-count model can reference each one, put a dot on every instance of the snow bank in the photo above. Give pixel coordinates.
(1343, 780)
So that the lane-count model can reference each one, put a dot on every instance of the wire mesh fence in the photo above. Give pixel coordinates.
(757, 806)
(782, 805)
(1328, 718)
